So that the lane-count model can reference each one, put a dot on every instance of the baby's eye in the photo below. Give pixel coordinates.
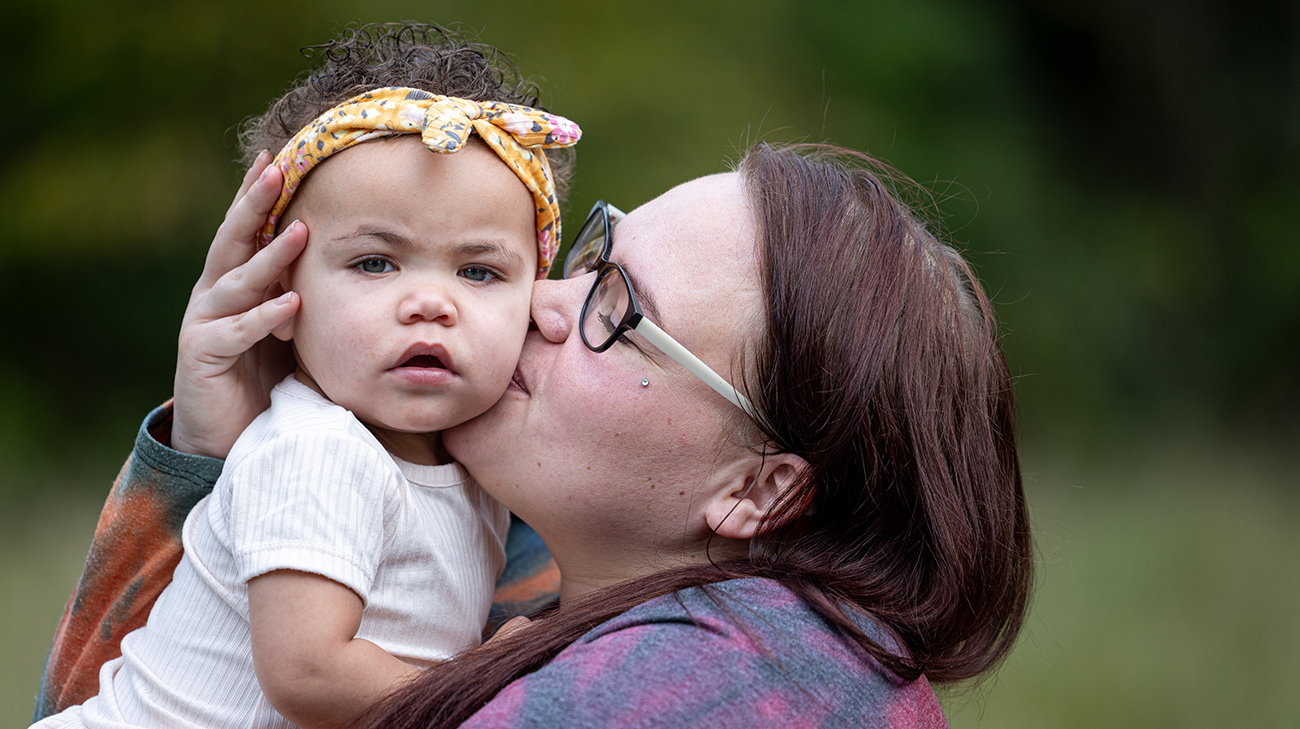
(375, 265)
(479, 273)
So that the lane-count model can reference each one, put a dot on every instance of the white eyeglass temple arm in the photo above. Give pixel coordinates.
(670, 347)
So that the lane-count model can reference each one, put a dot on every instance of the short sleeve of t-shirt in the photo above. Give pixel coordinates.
(313, 502)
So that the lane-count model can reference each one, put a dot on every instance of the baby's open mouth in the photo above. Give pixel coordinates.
(424, 360)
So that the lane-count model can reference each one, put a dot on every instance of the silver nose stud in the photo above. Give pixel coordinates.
(645, 381)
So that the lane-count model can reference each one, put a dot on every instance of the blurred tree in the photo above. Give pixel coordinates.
(1177, 125)
(1122, 173)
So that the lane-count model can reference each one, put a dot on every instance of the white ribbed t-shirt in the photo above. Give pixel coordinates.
(306, 487)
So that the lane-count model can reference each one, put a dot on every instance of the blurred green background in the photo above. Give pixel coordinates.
(1122, 174)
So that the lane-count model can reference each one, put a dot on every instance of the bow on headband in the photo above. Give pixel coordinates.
(444, 124)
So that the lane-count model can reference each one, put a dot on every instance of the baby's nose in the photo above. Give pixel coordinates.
(428, 304)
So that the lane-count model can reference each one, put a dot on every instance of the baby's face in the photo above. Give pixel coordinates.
(415, 283)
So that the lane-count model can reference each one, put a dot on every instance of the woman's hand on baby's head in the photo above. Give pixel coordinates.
(226, 365)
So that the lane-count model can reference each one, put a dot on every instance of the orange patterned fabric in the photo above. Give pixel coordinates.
(517, 134)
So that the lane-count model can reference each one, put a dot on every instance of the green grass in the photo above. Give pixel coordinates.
(42, 548)
(1167, 597)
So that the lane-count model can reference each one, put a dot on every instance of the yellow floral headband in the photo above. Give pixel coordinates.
(444, 123)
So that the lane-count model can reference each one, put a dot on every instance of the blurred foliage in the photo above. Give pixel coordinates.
(1122, 175)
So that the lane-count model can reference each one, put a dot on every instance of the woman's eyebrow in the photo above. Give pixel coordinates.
(643, 297)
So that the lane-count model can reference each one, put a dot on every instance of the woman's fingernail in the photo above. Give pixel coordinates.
(262, 177)
(292, 227)
(284, 298)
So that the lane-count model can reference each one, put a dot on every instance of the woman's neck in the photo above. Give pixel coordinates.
(585, 570)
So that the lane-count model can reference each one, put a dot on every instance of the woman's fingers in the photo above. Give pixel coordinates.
(236, 239)
(226, 365)
(232, 336)
(224, 373)
(245, 286)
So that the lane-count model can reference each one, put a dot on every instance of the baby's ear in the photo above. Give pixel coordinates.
(284, 331)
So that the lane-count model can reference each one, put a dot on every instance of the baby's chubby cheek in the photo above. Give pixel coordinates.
(493, 366)
(344, 354)
(354, 343)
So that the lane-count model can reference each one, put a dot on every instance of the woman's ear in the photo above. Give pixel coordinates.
(741, 510)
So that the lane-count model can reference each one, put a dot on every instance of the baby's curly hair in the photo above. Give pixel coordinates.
(416, 55)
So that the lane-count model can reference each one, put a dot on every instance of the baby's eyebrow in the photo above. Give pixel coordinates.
(508, 256)
(498, 249)
(394, 239)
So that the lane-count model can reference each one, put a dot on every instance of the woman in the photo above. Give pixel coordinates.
(847, 527)
(874, 489)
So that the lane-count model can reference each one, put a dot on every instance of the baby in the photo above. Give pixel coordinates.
(341, 550)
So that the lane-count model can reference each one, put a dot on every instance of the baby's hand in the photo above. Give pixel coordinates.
(225, 364)
(510, 627)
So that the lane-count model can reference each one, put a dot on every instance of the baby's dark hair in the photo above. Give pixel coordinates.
(416, 55)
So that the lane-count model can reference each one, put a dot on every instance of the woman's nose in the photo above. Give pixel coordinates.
(558, 304)
(427, 304)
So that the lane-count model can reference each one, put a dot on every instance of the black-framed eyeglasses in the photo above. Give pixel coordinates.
(611, 309)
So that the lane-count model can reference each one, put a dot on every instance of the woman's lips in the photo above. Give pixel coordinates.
(517, 382)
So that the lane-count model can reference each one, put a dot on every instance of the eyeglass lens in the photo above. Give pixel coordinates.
(586, 250)
(608, 306)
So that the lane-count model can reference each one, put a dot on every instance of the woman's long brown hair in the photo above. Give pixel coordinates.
(879, 364)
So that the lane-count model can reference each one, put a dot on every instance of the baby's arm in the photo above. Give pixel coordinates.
(309, 662)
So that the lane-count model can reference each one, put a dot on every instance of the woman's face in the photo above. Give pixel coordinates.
(610, 472)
